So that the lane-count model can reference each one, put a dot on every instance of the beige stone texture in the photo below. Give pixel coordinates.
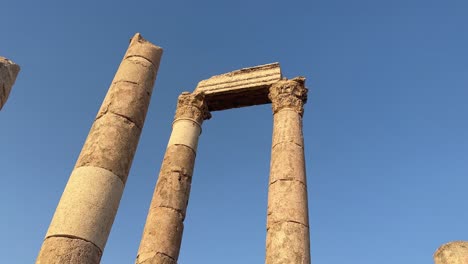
(132, 102)
(91, 198)
(163, 235)
(452, 253)
(8, 73)
(287, 201)
(136, 70)
(241, 79)
(61, 250)
(139, 47)
(287, 127)
(175, 179)
(185, 132)
(192, 106)
(288, 243)
(244, 87)
(156, 258)
(111, 144)
(88, 205)
(288, 219)
(287, 163)
(288, 94)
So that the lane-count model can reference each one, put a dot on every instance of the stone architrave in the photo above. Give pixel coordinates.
(287, 221)
(8, 72)
(240, 88)
(82, 221)
(162, 235)
(452, 253)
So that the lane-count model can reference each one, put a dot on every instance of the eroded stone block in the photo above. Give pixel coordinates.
(59, 250)
(288, 243)
(452, 253)
(127, 99)
(88, 216)
(8, 72)
(287, 163)
(140, 47)
(111, 144)
(287, 127)
(154, 258)
(175, 179)
(244, 87)
(164, 235)
(287, 201)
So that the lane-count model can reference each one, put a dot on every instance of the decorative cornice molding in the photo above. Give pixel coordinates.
(290, 94)
(192, 106)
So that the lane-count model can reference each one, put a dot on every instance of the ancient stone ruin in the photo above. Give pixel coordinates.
(82, 221)
(84, 216)
(287, 223)
(8, 72)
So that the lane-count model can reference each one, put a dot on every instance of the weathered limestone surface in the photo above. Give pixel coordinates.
(83, 219)
(111, 144)
(162, 234)
(103, 190)
(452, 253)
(288, 243)
(59, 250)
(287, 221)
(244, 87)
(8, 72)
(158, 258)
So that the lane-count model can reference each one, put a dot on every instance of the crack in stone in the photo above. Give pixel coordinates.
(173, 209)
(89, 164)
(288, 221)
(106, 111)
(288, 141)
(194, 152)
(152, 257)
(124, 81)
(125, 117)
(139, 56)
(75, 237)
(290, 179)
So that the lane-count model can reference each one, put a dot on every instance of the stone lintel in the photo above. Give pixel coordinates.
(244, 87)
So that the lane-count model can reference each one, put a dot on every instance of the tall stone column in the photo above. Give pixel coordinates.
(287, 239)
(8, 73)
(84, 216)
(452, 253)
(162, 235)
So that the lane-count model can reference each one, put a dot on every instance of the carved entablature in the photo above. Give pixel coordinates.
(192, 106)
(290, 94)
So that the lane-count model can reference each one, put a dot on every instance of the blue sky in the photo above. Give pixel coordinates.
(385, 124)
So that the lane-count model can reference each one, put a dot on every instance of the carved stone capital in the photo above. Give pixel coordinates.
(192, 106)
(290, 94)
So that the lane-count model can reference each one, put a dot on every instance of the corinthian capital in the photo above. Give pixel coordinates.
(290, 94)
(192, 106)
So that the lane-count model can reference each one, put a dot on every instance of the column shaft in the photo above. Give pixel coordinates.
(162, 235)
(287, 221)
(84, 216)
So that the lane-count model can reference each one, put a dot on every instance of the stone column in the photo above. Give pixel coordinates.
(84, 216)
(452, 253)
(287, 221)
(8, 73)
(162, 234)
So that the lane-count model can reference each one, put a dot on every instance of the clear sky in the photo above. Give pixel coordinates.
(385, 125)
